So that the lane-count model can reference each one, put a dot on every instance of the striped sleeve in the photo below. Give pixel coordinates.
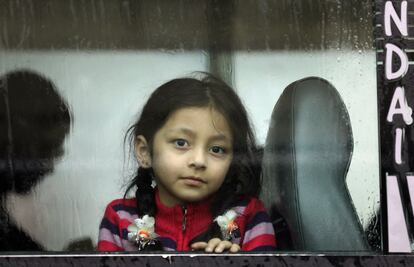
(259, 234)
(110, 237)
(112, 230)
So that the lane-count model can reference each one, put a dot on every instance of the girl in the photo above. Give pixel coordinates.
(194, 141)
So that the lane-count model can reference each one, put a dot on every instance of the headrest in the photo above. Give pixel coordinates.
(306, 159)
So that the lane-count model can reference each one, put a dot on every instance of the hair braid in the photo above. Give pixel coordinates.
(145, 194)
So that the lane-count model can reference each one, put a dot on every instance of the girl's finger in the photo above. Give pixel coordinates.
(199, 245)
(234, 248)
(212, 244)
(222, 246)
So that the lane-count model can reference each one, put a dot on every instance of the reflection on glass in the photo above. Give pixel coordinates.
(105, 58)
(34, 121)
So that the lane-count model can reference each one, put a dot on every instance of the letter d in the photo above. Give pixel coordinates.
(390, 50)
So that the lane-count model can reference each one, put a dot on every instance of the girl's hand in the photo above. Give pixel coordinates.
(216, 245)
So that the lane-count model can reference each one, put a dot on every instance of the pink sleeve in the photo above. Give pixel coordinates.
(259, 234)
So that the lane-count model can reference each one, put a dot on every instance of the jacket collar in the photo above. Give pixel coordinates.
(197, 216)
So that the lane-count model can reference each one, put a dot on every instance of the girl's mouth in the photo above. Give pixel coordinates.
(193, 181)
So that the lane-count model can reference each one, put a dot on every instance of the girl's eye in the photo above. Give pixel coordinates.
(180, 143)
(217, 150)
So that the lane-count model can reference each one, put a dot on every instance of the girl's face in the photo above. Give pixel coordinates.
(191, 155)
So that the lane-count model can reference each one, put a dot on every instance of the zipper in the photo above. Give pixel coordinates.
(184, 222)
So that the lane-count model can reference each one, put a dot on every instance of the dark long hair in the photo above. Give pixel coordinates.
(243, 177)
(34, 121)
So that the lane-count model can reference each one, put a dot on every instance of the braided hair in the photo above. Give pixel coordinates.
(243, 177)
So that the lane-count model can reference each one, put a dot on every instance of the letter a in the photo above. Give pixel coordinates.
(399, 99)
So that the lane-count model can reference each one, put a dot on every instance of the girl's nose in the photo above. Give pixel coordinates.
(198, 159)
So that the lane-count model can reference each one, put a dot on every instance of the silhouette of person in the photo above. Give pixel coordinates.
(34, 121)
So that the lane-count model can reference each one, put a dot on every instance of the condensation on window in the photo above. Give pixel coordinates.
(74, 75)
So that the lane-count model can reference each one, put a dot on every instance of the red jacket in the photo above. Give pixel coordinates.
(177, 226)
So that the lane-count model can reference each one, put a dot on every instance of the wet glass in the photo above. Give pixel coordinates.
(75, 74)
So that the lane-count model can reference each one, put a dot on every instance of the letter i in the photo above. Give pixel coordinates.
(399, 135)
